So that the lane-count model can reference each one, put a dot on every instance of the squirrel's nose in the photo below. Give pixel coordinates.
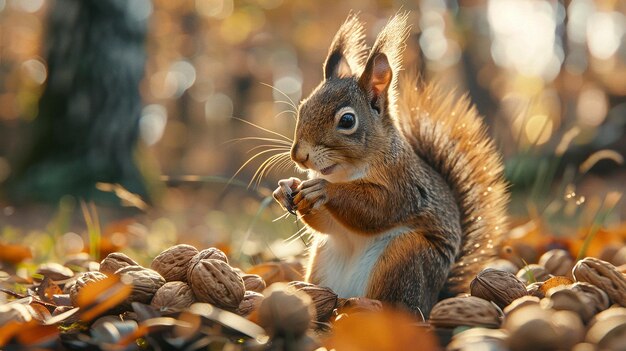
(297, 155)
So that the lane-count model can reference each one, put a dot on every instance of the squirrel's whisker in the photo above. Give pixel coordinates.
(260, 170)
(250, 160)
(263, 129)
(279, 141)
(292, 104)
(279, 147)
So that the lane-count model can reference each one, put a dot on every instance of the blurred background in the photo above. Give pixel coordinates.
(121, 117)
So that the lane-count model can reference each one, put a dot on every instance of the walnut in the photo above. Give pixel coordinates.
(533, 273)
(285, 311)
(557, 262)
(82, 280)
(465, 311)
(115, 261)
(210, 253)
(173, 297)
(145, 283)
(597, 298)
(563, 298)
(172, 263)
(251, 301)
(55, 271)
(253, 282)
(603, 275)
(324, 299)
(534, 328)
(497, 286)
(215, 282)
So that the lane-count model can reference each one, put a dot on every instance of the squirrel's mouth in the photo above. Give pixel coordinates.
(328, 170)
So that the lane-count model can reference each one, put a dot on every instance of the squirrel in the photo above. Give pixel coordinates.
(406, 198)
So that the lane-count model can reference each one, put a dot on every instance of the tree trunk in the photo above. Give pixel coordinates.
(88, 122)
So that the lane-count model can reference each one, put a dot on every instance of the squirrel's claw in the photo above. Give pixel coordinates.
(286, 192)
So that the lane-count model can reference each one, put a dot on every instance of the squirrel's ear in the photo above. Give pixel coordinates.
(348, 51)
(384, 62)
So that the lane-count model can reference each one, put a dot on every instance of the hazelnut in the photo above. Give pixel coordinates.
(465, 311)
(498, 286)
(173, 262)
(597, 299)
(603, 275)
(285, 311)
(479, 339)
(608, 329)
(82, 280)
(215, 282)
(253, 282)
(562, 298)
(521, 302)
(557, 262)
(145, 283)
(173, 297)
(114, 261)
(251, 301)
(324, 299)
(210, 253)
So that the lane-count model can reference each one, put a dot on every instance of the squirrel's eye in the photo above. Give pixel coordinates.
(346, 121)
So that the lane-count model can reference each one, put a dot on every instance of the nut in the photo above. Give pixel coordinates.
(210, 253)
(497, 286)
(115, 261)
(562, 298)
(145, 283)
(620, 257)
(608, 329)
(173, 297)
(521, 302)
(533, 273)
(603, 275)
(598, 300)
(55, 271)
(285, 311)
(557, 262)
(84, 279)
(534, 328)
(253, 282)
(479, 339)
(324, 299)
(465, 311)
(215, 282)
(503, 265)
(172, 263)
(534, 289)
(251, 301)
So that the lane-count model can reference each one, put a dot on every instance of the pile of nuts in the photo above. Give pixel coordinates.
(554, 304)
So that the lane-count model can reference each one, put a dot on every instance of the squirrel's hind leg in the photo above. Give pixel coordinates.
(409, 274)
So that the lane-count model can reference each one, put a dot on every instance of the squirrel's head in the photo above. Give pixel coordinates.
(348, 119)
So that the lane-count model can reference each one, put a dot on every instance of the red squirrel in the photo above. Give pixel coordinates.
(405, 199)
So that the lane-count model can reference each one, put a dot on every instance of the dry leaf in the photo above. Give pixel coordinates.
(14, 253)
(98, 297)
(381, 331)
(47, 289)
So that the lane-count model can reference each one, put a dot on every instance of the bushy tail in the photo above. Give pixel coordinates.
(447, 132)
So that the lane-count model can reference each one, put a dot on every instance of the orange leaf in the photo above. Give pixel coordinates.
(13, 253)
(32, 334)
(47, 289)
(381, 331)
(98, 297)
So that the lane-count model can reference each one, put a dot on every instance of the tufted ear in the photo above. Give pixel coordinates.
(347, 53)
(378, 79)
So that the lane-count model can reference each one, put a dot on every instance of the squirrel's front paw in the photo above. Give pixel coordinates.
(285, 193)
(312, 194)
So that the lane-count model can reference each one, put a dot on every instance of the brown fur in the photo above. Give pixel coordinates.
(419, 160)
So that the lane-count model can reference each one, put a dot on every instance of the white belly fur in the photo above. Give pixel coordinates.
(345, 259)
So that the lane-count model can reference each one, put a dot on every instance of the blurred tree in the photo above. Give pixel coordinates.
(87, 127)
